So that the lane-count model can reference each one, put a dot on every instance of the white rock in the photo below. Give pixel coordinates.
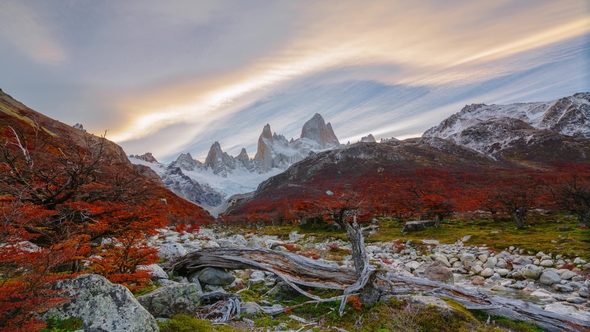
(578, 260)
(567, 274)
(502, 272)
(546, 263)
(412, 265)
(486, 273)
(541, 293)
(155, 269)
(171, 250)
(549, 277)
(476, 269)
(443, 260)
(490, 263)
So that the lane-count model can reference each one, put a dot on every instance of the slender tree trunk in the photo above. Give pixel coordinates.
(357, 244)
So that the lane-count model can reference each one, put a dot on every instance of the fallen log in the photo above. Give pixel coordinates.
(294, 269)
(478, 300)
(298, 270)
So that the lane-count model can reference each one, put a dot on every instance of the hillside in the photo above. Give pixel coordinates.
(472, 152)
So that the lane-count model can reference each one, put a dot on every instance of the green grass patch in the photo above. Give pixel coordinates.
(63, 325)
(185, 323)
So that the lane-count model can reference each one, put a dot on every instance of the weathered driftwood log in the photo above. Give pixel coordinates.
(295, 270)
(298, 270)
(478, 300)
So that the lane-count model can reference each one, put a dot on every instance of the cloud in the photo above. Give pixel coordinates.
(27, 31)
(177, 76)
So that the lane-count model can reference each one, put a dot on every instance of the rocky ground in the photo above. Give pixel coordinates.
(554, 283)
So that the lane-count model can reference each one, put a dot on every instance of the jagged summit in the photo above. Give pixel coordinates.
(228, 175)
(147, 157)
(368, 139)
(318, 131)
(490, 129)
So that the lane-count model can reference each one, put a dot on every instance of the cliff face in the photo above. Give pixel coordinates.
(318, 131)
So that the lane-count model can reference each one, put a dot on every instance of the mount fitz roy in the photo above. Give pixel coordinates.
(220, 176)
(538, 133)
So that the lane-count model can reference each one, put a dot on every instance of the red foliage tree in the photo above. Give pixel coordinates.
(63, 203)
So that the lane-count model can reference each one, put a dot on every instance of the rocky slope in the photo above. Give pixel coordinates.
(503, 131)
(24, 116)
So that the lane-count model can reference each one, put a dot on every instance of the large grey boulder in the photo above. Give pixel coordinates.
(419, 225)
(101, 305)
(549, 278)
(172, 300)
(214, 276)
(531, 271)
(437, 272)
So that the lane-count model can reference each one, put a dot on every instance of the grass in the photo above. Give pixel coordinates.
(552, 234)
(540, 234)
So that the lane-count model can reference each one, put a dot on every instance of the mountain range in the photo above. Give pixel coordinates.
(221, 176)
(531, 134)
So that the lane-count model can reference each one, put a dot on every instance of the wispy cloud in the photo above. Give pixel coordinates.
(26, 30)
(177, 76)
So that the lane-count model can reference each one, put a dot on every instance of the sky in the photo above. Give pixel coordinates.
(171, 77)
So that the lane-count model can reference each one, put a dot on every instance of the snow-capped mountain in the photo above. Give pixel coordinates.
(221, 176)
(490, 129)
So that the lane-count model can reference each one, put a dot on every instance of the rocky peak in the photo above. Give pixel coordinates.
(266, 132)
(244, 159)
(368, 139)
(264, 151)
(148, 157)
(79, 126)
(317, 130)
(186, 161)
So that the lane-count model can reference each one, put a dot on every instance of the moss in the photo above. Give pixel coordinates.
(145, 290)
(63, 325)
(185, 323)
(507, 324)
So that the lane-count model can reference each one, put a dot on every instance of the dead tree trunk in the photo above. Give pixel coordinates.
(297, 270)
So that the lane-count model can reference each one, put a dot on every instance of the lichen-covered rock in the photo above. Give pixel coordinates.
(172, 300)
(102, 306)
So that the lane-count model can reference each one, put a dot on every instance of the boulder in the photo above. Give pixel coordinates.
(442, 259)
(531, 271)
(156, 271)
(172, 300)
(567, 275)
(546, 263)
(101, 305)
(437, 272)
(490, 262)
(214, 276)
(478, 281)
(487, 272)
(549, 278)
(467, 258)
(419, 225)
(171, 250)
